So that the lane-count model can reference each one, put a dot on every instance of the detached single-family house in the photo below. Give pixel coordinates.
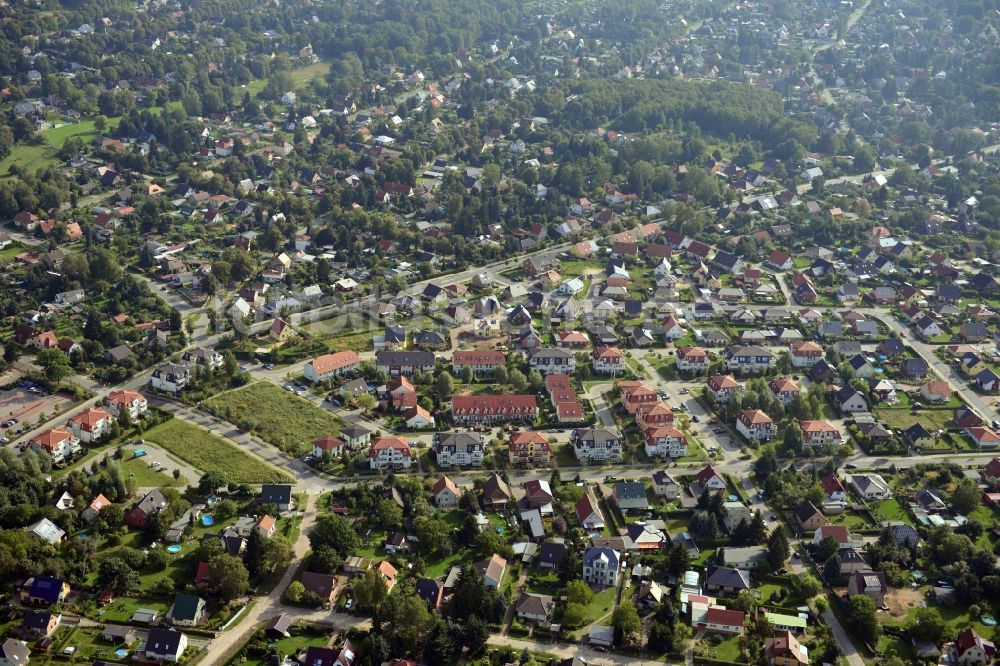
(869, 583)
(534, 607)
(165, 645)
(187, 610)
(870, 486)
(589, 514)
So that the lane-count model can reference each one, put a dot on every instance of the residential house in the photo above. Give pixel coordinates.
(709, 480)
(94, 508)
(388, 452)
(460, 448)
(755, 425)
(808, 517)
(983, 437)
(493, 408)
(784, 389)
(726, 580)
(534, 607)
(43, 591)
(971, 648)
(529, 448)
(91, 425)
(861, 366)
(170, 378)
(913, 368)
(278, 494)
(833, 489)
(46, 531)
(747, 558)
(589, 514)
(60, 444)
(596, 444)
(327, 446)
(327, 367)
(665, 441)
(404, 362)
(187, 610)
(483, 363)
(324, 586)
(492, 571)
(164, 645)
(551, 553)
(608, 360)
(152, 502)
(838, 533)
(552, 360)
(819, 433)
(496, 493)
(445, 493)
(870, 486)
(131, 402)
(602, 567)
(630, 495)
(784, 649)
(723, 387)
(692, 359)
(431, 591)
(936, 391)
(751, 359)
(869, 583)
(805, 353)
(664, 486)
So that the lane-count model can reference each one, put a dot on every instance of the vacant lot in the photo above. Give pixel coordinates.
(285, 420)
(901, 419)
(203, 450)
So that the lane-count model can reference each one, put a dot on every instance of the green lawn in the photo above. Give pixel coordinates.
(851, 520)
(288, 647)
(207, 452)
(901, 419)
(358, 341)
(8, 253)
(149, 477)
(123, 609)
(440, 568)
(957, 617)
(87, 641)
(302, 76)
(891, 509)
(279, 417)
(602, 604)
(35, 156)
(729, 649)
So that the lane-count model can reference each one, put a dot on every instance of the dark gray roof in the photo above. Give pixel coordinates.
(551, 552)
(727, 577)
(272, 493)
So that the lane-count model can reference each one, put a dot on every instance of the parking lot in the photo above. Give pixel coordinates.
(20, 407)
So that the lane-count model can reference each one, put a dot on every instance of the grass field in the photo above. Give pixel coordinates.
(890, 509)
(288, 647)
(148, 477)
(203, 450)
(901, 419)
(358, 341)
(285, 420)
(8, 253)
(301, 77)
(43, 154)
